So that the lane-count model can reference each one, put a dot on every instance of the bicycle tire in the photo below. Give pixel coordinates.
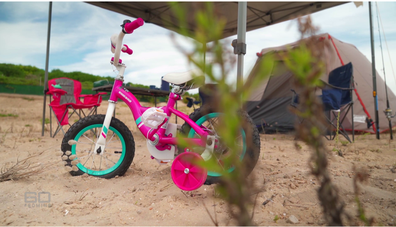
(90, 127)
(252, 141)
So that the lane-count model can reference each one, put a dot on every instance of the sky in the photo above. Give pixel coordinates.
(80, 39)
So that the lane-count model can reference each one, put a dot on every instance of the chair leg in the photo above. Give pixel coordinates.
(92, 111)
(328, 134)
(50, 119)
(60, 127)
(344, 133)
(76, 112)
(341, 129)
(57, 130)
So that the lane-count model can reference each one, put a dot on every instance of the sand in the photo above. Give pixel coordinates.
(146, 195)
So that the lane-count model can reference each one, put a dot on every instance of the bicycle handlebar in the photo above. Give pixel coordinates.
(126, 49)
(130, 27)
(116, 41)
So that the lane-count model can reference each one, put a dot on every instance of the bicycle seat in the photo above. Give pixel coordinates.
(185, 78)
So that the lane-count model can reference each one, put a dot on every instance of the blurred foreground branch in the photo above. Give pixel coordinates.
(307, 65)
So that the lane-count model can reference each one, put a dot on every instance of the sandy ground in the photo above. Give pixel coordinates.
(146, 195)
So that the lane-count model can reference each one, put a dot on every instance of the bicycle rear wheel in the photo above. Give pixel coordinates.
(248, 141)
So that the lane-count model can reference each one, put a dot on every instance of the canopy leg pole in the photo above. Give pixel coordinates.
(374, 72)
(241, 41)
(46, 66)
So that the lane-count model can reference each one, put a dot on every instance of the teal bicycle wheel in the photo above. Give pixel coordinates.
(248, 141)
(78, 147)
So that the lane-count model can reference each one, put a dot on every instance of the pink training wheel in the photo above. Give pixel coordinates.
(186, 174)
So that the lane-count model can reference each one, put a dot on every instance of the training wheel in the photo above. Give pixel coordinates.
(186, 174)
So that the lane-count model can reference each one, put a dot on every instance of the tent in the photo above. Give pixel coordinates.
(269, 103)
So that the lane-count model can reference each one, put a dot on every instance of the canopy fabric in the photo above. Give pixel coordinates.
(259, 14)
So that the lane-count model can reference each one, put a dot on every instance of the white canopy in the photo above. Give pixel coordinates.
(258, 14)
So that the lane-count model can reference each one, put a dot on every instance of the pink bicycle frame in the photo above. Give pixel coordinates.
(137, 110)
(157, 136)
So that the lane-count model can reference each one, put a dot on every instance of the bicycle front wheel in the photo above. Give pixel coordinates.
(79, 142)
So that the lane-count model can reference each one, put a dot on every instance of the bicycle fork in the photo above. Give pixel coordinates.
(101, 142)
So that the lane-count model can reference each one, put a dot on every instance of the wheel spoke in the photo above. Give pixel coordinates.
(100, 164)
(110, 139)
(106, 163)
(220, 163)
(220, 152)
(213, 122)
(82, 156)
(84, 143)
(113, 154)
(212, 126)
(114, 148)
(82, 151)
(109, 159)
(94, 136)
(93, 163)
(87, 158)
(239, 145)
(89, 139)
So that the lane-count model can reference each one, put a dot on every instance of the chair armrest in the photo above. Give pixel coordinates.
(56, 91)
(99, 93)
(335, 87)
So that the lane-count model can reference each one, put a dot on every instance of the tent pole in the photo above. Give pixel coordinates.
(241, 43)
(46, 65)
(374, 72)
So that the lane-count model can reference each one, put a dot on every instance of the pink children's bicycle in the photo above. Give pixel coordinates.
(103, 146)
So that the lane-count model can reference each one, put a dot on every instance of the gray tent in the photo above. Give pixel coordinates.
(269, 103)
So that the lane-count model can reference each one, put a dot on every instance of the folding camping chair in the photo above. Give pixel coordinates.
(337, 101)
(66, 94)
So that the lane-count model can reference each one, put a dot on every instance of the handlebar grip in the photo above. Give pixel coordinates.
(126, 49)
(130, 27)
